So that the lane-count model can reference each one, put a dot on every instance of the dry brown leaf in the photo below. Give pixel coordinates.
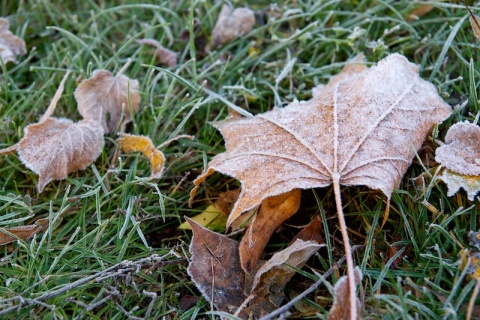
(163, 55)
(215, 268)
(270, 280)
(11, 46)
(341, 308)
(105, 98)
(474, 22)
(134, 143)
(232, 24)
(56, 147)
(362, 131)
(23, 232)
(272, 213)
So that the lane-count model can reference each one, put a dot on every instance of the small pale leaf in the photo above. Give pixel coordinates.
(134, 143)
(341, 306)
(455, 181)
(11, 46)
(232, 24)
(55, 147)
(105, 98)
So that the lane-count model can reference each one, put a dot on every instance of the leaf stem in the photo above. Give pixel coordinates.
(348, 250)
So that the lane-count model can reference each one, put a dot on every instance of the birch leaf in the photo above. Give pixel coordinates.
(11, 46)
(232, 24)
(56, 147)
(361, 130)
(106, 98)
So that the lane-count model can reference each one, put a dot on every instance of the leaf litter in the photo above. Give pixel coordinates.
(231, 24)
(362, 128)
(215, 269)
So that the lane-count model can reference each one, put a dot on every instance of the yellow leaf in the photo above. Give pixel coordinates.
(473, 269)
(134, 143)
(211, 218)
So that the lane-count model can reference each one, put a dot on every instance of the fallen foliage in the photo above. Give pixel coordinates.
(11, 46)
(231, 24)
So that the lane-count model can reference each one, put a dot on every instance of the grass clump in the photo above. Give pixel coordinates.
(102, 216)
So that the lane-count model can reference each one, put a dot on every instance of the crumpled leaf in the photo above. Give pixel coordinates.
(312, 232)
(461, 151)
(272, 213)
(341, 306)
(55, 147)
(163, 55)
(22, 232)
(361, 130)
(232, 24)
(460, 155)
(270, 280)
(11, 46)
(135, 143)
(215, 270)
(105, 98)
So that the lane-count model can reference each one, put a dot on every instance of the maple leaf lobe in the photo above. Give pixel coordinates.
(362, 128)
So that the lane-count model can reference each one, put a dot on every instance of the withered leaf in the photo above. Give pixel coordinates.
(461, 151)
(211, 218)
(23, 232)
(105, 98)
(163, 55)
(341, 308)
(419, 11)
(215, 268)
(232, 24)
(460, 155)
(11, 46)
(312, 232)
(135, 143)
(272, 213)
(271, 278)
(55, 147)
(361, 130)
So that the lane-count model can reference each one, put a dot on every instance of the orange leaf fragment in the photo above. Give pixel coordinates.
(232, 24)
(272, 213)
(419, 11)
(163, 55)
(11, 46)
(106, 98)
(341, 307)
(134, 143)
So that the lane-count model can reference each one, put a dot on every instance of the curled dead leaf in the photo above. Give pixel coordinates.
(272, 213)
(231, 24)
(11, 46)
(135, 143)
(106, 98)
(163, 55)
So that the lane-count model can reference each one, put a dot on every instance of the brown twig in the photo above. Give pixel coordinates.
(312, 288)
